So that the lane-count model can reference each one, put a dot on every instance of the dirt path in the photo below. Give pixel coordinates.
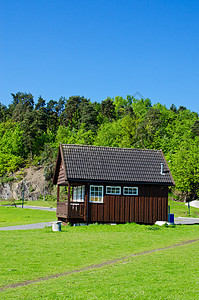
(106, 263)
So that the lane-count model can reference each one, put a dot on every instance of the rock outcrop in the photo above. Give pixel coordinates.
(31, 180)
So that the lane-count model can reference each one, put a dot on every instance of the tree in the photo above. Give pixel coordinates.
(128, 131)
(88, 115)
(181, 108)
(109, 135)
(60, 106)
(108, 109)
(41, 116)
(123, 106)
(52, 120)
(120, 106)
(141, 107)
(148, 127)
(185, 169)
(3, 112)
(195, 128)
(173, 108)
(41, 103)
(70, 115)
(29, 133)
(22, 103)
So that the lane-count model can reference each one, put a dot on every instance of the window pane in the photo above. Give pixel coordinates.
(125, 190)
(114, 190)
(75, 193)
(79, 193)
(108, 190)
(135, 191)
(130, 191)
(96, 193)
(83, 192)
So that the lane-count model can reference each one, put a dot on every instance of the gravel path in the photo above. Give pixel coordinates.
(186, 221)
(194, 203)
(28, 226)
(39, 207)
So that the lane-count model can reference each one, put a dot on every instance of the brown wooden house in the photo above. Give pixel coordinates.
(112, 185)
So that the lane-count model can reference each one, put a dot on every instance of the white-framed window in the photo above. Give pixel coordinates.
(96, 193)
(113, 190)
(78, 193)
(129, 190)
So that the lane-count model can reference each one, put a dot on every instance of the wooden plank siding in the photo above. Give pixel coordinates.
(150, 205)
(61, 176)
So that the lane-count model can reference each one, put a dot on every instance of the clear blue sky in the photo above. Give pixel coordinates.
(100, 48)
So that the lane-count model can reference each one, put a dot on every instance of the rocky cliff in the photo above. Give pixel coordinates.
(31, 179)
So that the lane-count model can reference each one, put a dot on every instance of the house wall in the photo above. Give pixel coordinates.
(150, 205)
(61, 176)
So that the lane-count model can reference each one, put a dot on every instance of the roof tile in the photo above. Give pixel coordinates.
(115, 164)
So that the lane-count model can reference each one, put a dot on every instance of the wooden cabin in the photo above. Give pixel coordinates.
(112, 185)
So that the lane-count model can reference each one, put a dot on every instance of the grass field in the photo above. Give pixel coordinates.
(179, 209)
(160, 275)
(167, 274)
(10, 216)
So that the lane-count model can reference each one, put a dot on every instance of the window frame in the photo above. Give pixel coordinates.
(113, 187)
(102, 197)
(130, 187)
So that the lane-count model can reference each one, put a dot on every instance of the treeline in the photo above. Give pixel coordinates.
(30, 132)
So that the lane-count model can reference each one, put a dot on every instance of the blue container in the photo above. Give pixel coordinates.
(171, 218)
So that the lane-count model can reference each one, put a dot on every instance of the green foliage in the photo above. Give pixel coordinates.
(48, 199)
(108, 109)
(108, 135)
(30, 132)
(81, 136)
(185, 169)
(141, 107)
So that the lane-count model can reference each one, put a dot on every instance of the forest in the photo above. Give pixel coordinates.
(30, 132)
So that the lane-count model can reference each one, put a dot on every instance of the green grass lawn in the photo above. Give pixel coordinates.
(10, 216)
(179, 209)
(170, 274)
(32, 254)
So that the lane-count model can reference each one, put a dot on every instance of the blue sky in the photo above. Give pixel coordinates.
(101, 48)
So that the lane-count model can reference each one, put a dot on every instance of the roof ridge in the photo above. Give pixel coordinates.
(107, 147)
